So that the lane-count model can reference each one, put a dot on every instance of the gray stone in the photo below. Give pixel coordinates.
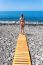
(8, 40)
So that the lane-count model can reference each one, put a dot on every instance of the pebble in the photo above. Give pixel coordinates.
(8, 41)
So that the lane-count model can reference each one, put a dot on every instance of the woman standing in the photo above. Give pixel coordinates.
(22, 23)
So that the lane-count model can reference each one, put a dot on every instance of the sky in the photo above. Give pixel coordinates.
(21, 5)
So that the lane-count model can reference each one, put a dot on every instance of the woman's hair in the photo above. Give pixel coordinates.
(22, 15)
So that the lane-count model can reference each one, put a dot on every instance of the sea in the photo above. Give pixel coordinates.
(33, 16)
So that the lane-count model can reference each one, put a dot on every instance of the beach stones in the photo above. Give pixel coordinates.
(8, 38)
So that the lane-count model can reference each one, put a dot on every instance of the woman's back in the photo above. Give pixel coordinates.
(22, 22)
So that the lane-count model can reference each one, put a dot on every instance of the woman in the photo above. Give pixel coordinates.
(22, 23)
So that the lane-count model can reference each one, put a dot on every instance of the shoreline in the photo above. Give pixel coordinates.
(18, 22)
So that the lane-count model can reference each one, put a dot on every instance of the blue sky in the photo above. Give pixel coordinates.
(21, 5)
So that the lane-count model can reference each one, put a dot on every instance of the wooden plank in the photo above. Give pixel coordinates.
(21, 56)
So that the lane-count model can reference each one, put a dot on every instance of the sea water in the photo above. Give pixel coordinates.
(33, 16)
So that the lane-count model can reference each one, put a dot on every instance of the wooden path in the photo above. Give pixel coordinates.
(21, 55)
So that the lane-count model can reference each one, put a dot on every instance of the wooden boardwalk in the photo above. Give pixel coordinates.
(21, 55)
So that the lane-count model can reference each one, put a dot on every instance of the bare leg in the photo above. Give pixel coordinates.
(21, 29)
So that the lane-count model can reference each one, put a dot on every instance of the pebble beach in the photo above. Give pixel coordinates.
(8, 39)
